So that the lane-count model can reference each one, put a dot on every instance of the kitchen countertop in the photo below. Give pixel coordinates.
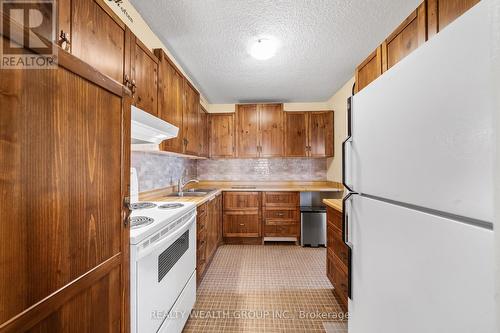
(220, 186)
(334, 203)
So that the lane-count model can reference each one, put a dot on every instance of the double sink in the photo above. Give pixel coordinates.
(193, 192)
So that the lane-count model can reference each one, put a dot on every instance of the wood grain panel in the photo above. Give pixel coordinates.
(170, 99)
(450, 10)
(272, 134)
(369, 70)
(190, 119)
(247, 130)
(203, 132)
(61, 203)
(104, 51)
(145, 74)
(296, 134)
(407, 37)
(241, 200)
(244, 224)
(321, 134)
(221, 135)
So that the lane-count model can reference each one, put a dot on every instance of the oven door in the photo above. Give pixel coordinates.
(163, 269)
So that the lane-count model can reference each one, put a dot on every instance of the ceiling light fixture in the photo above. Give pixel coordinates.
(263, 48)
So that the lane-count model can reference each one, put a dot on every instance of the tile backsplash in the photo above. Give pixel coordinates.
(159, 170)
(263, 169)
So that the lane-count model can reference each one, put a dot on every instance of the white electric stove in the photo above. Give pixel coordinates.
(162, 265)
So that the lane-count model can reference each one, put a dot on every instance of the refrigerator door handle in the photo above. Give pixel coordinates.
(347, 141)
(345, 237)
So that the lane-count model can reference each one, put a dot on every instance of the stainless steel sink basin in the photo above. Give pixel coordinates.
(193, 192)
(187, 194)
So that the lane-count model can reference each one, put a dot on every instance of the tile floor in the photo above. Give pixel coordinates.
(270, 288)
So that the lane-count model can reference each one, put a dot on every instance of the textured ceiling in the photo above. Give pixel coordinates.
(321, 42)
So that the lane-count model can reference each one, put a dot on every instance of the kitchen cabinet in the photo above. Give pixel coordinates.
(337, 259)
(144, 76)
(259, 130)
(209, 233)
(309, 134)
(190, 114)
(247, 129)
(430, 17)
(242, 215)
(442, 12)
(221, 135)
(66, 153)
(94, 34)
(369, 69)
(170, 99)
(406, 38)
(281, 215)
(203, 132)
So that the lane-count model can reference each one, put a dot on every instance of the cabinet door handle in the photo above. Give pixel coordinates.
(64, 41)
(242, 224)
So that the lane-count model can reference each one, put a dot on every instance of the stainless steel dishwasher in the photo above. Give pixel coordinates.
(313, 217)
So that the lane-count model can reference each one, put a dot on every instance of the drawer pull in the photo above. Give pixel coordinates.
(242, 224)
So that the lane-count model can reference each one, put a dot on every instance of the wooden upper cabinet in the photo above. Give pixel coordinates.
(221, 134)
(321, 134)
(309, 134)
(170, 99)
(440, 13)
(369, 70)
(271, 130)
(144, 74)
(296, 135)
(96, 35)
(190, 116)
(247, 133)
(259, 130)
(203, 131)
(405, 39)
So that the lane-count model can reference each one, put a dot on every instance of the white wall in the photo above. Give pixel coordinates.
(339, 105)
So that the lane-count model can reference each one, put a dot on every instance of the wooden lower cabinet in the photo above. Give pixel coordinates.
(242, 217)
(64, 147)
(281, 215)
(337, 259)
(209, 233)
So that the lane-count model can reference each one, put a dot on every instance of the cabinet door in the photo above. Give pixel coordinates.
(97, 36)
(247, 130)
(170, 99)
(145, 74)
(242, 224)
(190, 115)
(369, 70)
(271, 130)
(406, 38)
(321, 134)
(440, 13)
(241, 201)
(296, 140)
(203, 132)
(221, 135)
(63, 148)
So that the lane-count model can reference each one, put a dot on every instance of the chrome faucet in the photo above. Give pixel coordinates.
(181, 185)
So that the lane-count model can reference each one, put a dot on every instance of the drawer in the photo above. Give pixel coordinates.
(201, 211)
(340, 249)
(281, 199)
(334, 217)
(281, 222)
(201, 222)
(241, 224)
(291, 230)
(285, 214)
(241, 200)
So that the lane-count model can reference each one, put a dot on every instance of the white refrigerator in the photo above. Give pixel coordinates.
(420, 164)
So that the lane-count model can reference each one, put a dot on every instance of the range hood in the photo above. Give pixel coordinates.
(150, 131)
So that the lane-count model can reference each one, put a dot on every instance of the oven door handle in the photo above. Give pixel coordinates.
(155, 246)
